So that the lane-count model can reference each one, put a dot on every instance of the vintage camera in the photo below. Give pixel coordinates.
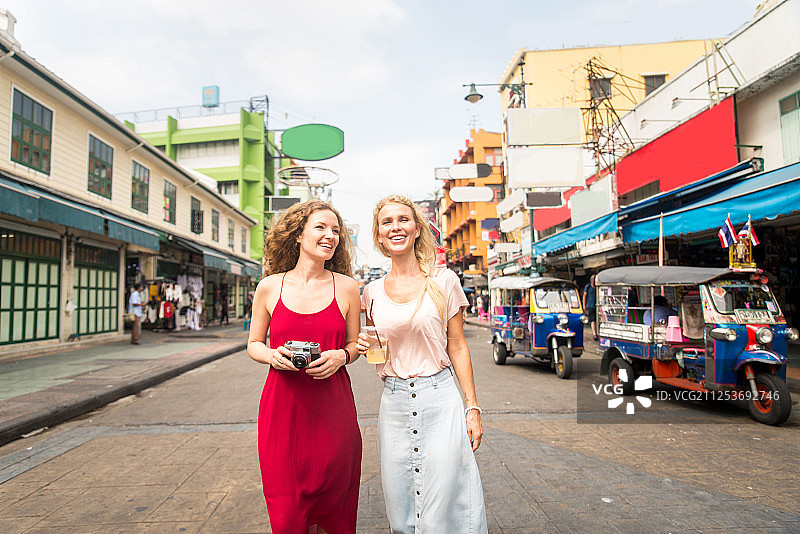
(303, 352)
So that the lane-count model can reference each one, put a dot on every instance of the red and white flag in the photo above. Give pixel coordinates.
(746, 230)
(727, 235)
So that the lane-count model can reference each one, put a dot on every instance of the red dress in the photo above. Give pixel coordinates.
(309, 443)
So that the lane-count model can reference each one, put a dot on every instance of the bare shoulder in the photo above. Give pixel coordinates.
(269, 284)
(346, 283)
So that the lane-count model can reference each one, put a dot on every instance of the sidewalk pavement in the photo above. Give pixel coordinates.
(792, 368)
(52, 385)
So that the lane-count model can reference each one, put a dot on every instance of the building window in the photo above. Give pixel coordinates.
(228, 188)
(497, 191)
(600, 88)
(31, 128)
(653, 82)
(244, 240)
(101, 161)
(494, 156)
(230, 233)
(215, 225)
(790, 128)
(557, 228)
(640, 193)
(140, 186)
(170, 193)
(197, 216)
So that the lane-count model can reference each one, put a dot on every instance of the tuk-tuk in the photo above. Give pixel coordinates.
(539, 318)
(721, 334)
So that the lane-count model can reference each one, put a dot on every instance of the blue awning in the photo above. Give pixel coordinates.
(570, 236)
(692, 192)
(763, 196)
(131, 232)
(59, 210)
(253, 270)
(33, 204)
(211, 258)
(18, 200)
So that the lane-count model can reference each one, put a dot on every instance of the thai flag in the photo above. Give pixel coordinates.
(727, 235)
(748, 229)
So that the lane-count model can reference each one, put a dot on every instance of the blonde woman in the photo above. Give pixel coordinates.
(426, 434)
(309, 443)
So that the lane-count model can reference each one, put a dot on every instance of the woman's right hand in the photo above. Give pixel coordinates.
(362, 344)
(281, 358)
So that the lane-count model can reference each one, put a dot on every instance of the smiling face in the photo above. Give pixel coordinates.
(397, 228)
(320, 235)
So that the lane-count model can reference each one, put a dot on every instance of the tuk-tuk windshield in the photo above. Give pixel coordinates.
(731, 295)
(556, 298)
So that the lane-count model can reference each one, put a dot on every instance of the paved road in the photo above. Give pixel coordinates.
(181, 457)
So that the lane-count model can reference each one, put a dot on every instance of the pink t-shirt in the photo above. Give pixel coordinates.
(417, 347)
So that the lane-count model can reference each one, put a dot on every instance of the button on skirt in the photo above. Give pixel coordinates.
(430, 478)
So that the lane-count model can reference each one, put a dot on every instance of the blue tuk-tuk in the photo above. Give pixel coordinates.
(539, 318)
(718, 332)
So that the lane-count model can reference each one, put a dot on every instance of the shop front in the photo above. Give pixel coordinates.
(95, 290)
(769, 200)
(30, 287)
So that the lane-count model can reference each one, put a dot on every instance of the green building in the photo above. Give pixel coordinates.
(233, 147)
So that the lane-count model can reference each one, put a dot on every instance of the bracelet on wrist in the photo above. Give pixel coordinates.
(347, 355)
(476, 408)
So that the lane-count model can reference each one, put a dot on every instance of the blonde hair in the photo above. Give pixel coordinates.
(424, 252)
(282, 251)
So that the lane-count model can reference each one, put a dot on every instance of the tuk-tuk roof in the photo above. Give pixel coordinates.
(524, 282)
(651, 275)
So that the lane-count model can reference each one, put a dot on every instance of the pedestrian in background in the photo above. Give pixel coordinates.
(135, 306)
(309, 443)
(590, 304)
(426, 438)
(223, 310)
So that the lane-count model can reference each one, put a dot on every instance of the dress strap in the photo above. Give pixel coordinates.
(281, 292)
(334, 285)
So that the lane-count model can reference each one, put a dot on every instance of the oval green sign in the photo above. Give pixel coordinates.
(312, 142)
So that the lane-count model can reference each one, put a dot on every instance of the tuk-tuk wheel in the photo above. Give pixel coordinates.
(563, 363)
(774, 403)
(614, 368)
(499, 353)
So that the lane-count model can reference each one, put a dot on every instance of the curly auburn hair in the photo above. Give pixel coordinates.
(281, 250)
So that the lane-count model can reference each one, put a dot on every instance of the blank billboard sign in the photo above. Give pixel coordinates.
(591, 203)
(468, 171)
(280, 203)
(312, 142)
(471, 194)
(542, 200)
(544, 126)
(545, 166)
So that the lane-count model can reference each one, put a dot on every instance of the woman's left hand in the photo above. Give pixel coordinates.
(474, 429)
(328, 363)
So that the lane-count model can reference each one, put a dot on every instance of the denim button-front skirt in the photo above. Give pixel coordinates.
(430, 477)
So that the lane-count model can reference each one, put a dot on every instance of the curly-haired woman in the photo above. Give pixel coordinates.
(426, 435)
(309, 443)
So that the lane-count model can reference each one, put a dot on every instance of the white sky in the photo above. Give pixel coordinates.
(389, 73)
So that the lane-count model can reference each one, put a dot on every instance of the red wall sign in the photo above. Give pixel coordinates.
(700, 147)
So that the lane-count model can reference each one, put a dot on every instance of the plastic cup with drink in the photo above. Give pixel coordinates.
(377, 344)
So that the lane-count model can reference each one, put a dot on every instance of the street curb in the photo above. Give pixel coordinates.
(53, 415)
(477, 323)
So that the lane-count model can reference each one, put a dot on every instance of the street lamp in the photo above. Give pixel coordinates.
(517, 88)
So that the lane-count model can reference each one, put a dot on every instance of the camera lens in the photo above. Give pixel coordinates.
(299, 362)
